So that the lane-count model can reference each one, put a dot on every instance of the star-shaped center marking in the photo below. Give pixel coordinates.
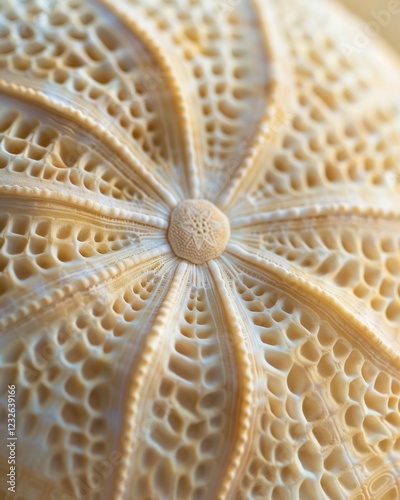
(198, 231)
(201, 226)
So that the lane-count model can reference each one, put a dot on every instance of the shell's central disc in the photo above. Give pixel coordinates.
(198, 231)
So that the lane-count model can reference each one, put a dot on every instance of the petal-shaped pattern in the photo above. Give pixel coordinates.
(338, 140)
(326, 405)
(43, 151)
(66, 363)
(83, 56)
(184, 430)
(43, 252)
(228, 67)
(355, 258)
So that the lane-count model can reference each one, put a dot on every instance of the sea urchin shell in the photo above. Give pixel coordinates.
(200, 251)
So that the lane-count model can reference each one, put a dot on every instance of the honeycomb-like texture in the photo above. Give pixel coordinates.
(356, 258)
(338, 135)
(84, 58)
(320, 399)
(52, 155)
(35, 248)
(230, 81)
(64, 371)
(199, 252)
(184, 431)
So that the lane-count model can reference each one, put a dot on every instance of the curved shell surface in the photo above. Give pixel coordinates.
(249, 347)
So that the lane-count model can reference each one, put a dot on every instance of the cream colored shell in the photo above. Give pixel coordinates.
(198, 231)
(381, 19)
(268, 372)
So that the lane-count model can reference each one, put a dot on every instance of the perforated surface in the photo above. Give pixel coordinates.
(199, 251)
(325, 412)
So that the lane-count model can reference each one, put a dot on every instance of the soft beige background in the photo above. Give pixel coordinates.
(366, 8)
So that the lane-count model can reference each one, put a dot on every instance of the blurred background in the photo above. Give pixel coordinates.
(373, 11)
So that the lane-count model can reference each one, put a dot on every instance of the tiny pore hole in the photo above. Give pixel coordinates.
(14, 146)
(65, 254)
(94, 52)
(23, 269)
(107, 38)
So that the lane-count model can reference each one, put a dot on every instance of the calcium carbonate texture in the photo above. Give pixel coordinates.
(200, 251)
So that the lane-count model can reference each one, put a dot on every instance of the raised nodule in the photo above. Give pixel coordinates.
(198, 231)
